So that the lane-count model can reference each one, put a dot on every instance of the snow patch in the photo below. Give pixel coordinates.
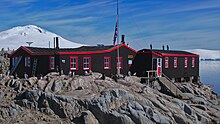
(206, 54)
(18, 36)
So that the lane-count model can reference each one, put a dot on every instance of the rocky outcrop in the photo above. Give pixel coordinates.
(89, 100)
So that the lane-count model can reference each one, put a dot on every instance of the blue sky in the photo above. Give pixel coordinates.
(183, 24)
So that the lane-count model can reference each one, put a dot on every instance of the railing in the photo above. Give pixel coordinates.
(150, 74)
(170, 83)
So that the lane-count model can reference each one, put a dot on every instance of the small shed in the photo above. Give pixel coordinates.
(173, 64)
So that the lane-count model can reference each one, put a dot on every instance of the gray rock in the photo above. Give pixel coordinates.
(121, 118)
(12, 112)
(56, 105)
(156, 118)
(4, 113)
(198, 100)
(41, 84)
(1, 95)
(57, 86)
(180, 119)
(137, 106)
(187, 109)
(132, 79)
(138, 116)
(49, 85)
(12, 83)
(203, 119)
(32, 95)
(32, 80)
(89, 118)
(165, 120)
(189, 95)
(201, 107)
(186, 89)
(25, 103)
(18, 86)
(156, 85)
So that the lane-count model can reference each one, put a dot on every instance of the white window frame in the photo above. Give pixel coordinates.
(52, 62)
(107, 61)
(175, 62)
(86, 64)
(166, 63)
(27, 62)
(186, 62)
(73, 61)
(193, 62)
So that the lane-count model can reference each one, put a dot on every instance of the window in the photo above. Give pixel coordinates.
(193, 62)
(27, 62)
(52, 63)
(185, 62)
(73, 63)
(107, 61)
(129, 62)
(166, 62)
(175, 60)
(14, 61)
(86, 63)
(119, 63)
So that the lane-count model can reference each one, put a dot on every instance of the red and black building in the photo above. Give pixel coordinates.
(40, 61)
(176, 65)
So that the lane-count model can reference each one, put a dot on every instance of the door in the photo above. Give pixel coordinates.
(159, 67)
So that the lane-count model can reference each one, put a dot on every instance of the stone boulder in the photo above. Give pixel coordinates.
(89, 118)
(57, 86)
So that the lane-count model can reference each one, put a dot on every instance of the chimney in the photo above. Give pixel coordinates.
(57, 42)
(123, 39)
(163, 47)
(168, 47)
(54, 42)
(151, 46)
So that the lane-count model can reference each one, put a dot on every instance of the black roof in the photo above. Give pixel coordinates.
(87, 48)
(37, 50)
(166, 51)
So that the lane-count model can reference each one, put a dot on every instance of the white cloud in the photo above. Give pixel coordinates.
(19, 2)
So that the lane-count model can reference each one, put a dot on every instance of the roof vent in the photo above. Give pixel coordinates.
(168, 47)
(56, 42)
(151, 47)
(123, 39)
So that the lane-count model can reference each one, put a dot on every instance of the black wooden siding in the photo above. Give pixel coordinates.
(144, 62)
(181, 71)
(97, 62)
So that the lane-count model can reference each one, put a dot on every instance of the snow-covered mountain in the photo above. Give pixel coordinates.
(18, 36)
(206, 54)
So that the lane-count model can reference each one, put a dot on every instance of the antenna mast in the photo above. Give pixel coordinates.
(118, 45)
(29, 43)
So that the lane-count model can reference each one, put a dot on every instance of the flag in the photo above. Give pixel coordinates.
(116, 33)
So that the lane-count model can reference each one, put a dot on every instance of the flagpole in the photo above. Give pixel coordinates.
(118, 52)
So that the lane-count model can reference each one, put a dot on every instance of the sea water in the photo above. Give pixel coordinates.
(210, 74)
